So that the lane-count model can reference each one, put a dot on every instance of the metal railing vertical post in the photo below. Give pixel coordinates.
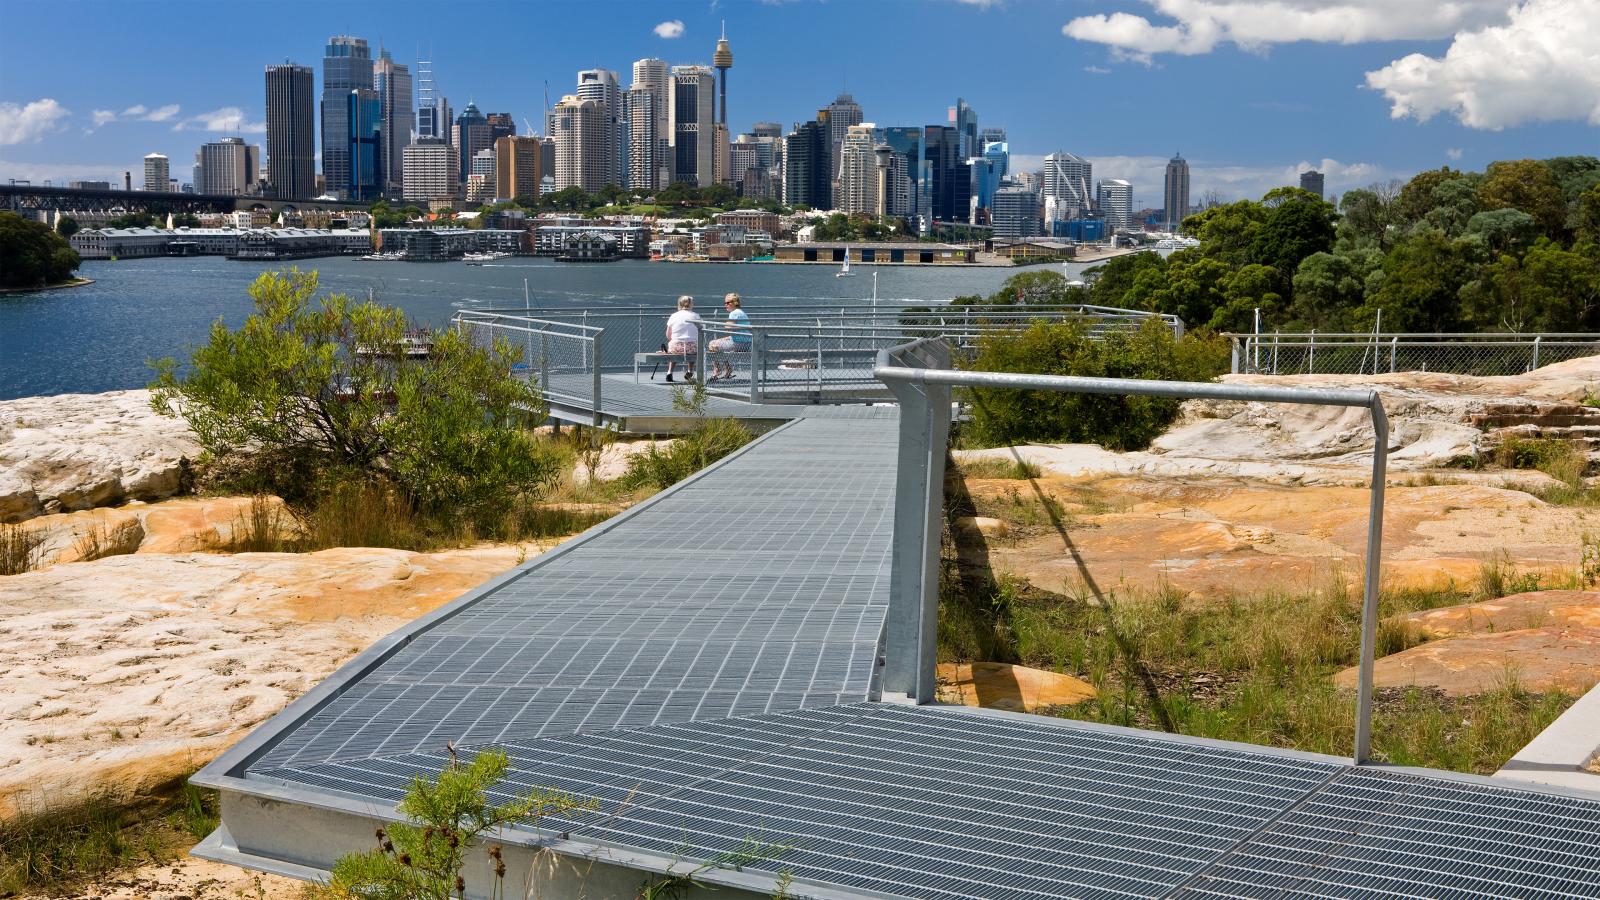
(1311, 358)
(700, 353)
(1369, 598)
(1394, 350)
(1234, 367)
(756, 365)
(1536, 339)
(597, 336)
(544, 362)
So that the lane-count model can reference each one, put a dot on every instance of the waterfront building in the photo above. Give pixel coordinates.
(750, 220)
(843, 112)
(1175, 193)
(555, 240)
(602, 87)
(1066, 186)
(808, 164)
(430, 171)
(579, 130)
(965, 121)
(1312, 181)
(1116, 204)
(346, 66)
(516, 167)
(291, 135)
(156, 177)
(240, 243)
(392, 81)
(227, 167)
(693, 133)
(893, 253)
(365, 115)
(469, 135)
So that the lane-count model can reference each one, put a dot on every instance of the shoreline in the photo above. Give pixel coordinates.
(77, 282)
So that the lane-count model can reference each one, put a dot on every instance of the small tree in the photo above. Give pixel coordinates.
(423, 859)
(67, 226)
(316, 395)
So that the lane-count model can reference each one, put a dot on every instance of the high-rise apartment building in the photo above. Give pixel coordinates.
(640, 118)
(857, 190)
(469, 135)
(430, 171)
(808, 164)
(653, 76)
(228, 166)
(1015, 213)
(579, 130)
(692, 140)
(843, 112)
(1066, 189)
(291, 132)
(757, 165)
(346, 66)
(392, 81)
(156, 175)
(1175, 193)
(365, 115)
(603, 87)
(1116, 204)
(1312, 181)
(516, 162)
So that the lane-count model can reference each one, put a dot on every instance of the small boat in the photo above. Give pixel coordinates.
(844, 270)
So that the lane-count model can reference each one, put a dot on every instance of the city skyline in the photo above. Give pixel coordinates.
(1088, 79)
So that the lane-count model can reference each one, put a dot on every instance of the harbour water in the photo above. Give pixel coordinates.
(103, 336)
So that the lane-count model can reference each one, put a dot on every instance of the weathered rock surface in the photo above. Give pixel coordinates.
(130, 671)
(172, 526)
(1533, 609)
(1001, 686)
(78, 451)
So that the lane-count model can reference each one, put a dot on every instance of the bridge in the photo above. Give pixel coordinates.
(29, 198)
(745, 661)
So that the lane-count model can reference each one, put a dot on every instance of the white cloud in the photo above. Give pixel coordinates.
(102, 116)
(1199, 26)
(39, 173)
(670, 29)
(135, 113)
(1454, 153)
(31, 122)
(228, 118)
(163, 114)
(1542, 66)
(982, 4)
(1097, 70)
(1232, 182)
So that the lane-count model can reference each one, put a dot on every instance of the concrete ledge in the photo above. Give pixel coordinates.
(1560, 754)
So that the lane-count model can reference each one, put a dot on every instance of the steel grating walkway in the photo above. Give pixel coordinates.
(704, 666)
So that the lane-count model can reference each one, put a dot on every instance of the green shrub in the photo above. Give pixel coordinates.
(710, 441)
(32, 254)
(1003, 416)
(314, 395)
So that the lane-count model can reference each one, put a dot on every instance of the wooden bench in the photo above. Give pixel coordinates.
(660, 356)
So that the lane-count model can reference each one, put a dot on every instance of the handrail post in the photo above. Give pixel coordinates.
(1311, 361)
(700, 353)
(1394, 349)
(544, 362)
(755, 365)
(1234, 367)
(597, 336)
(1536, 339)
(1369, 594)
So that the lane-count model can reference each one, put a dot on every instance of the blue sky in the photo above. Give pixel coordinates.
(1249, 91)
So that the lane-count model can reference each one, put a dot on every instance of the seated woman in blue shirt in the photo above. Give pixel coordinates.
(738, 342)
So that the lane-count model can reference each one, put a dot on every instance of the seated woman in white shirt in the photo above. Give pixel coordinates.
(683, 335)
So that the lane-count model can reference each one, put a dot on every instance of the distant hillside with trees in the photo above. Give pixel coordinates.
(1513, 248)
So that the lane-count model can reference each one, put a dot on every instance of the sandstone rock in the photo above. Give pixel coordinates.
(77, 451)
(987, 526)
(1001, 686)
(1534, 609)
(1539, 659)
(172, 526)
(130, 671)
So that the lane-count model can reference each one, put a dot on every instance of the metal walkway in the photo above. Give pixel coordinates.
(706, 665)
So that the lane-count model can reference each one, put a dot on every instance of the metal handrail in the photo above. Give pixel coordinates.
(919, 375)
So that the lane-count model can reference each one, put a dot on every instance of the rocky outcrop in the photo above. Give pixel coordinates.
(78, 451)
(1002, 686)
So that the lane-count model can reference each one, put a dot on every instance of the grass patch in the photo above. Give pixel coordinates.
(20, 549)
(1564, 461)
(996, 467)
(100, 542)
(710, 441)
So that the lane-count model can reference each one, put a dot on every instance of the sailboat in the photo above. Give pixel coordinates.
(844, 270)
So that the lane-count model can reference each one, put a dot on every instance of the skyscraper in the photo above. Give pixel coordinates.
(965, 122)
(469, 135)
(808, 164)
(639, 116)
(722, 59)
(579, 130)
(767, 129)
(346, 66)
(1116, 204)
(983, 182)
(916, 203)
(501, 124)
(858, 171)
(998, 153)
(392, 81)
(1312, 181)
(365, 115)
(1066, 188)
(516, 166)
(291, 132)
(1016, 212)
(843, 112)
(430, 122)
(1175, 193)
(156, 175)
(603, 87)
(227, 166)
(653, 76)
(693, 136)
(431, 171)
(940, 150)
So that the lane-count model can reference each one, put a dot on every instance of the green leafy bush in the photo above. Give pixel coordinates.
(32, 254)
(710, 441)
(311, 396)
(1001, 416)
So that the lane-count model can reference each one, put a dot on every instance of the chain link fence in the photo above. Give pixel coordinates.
(1355, 354)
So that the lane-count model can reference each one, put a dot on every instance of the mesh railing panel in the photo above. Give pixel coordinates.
(1461, 355)
(556, 358)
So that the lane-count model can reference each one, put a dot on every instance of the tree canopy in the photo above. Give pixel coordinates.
(32, 254)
